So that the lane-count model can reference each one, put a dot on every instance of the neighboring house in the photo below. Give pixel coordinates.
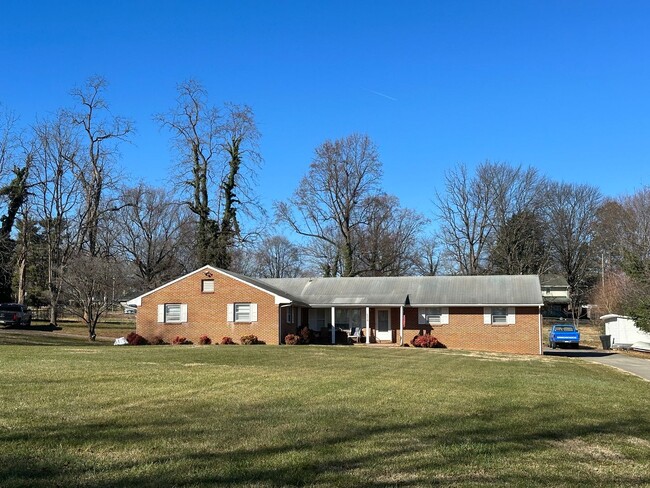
(489, 313)
(555, 293)
(623, 330)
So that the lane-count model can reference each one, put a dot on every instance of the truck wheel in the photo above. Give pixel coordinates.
(553, 345)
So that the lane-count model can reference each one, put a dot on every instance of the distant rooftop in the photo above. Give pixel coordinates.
(553, 280)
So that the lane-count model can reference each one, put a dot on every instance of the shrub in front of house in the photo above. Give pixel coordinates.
(204, 340)
(306, 335)
(292, 340)
(341, 337)
(180, 340)
(136, 339)
(226, 341)
(157, 341)
(249, 340)
(426, 340)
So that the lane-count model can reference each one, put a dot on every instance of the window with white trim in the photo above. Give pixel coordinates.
(207, 286)
(348, 318)
(242, 312)
(172, 313)
(433, 316)
(499, 315)
(289, 315)
(321, 317)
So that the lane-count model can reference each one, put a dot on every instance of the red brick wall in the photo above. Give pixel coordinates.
(466, 330)
(206, 312)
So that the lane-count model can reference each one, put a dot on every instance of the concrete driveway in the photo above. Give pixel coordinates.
(637, 366)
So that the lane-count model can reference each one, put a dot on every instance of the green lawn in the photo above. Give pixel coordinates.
(84, 415)
(110, 326)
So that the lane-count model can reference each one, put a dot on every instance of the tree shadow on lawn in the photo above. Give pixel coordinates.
(38, 328)
(444, 449)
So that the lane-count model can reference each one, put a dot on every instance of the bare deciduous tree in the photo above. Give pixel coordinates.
(89, 282)
(520, 246)
(465, 209)
(58, 198)
(102, 132)
(276, 257)
(428, 255)
(475, 208)
(218, 156)
(387, 240)
(329, 204)
(571, 215)
(149, 230)
(622, 244)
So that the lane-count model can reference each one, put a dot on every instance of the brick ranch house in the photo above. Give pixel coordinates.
(487, 313)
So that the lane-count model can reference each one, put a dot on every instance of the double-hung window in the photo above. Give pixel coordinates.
(289, 315)
(242, 312)
(433, 316)
(499, 315)
(172, 313)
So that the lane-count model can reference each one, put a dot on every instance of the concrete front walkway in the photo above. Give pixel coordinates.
(637, 366)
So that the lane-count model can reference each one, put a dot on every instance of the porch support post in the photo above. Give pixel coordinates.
(333, 325)
(401, 325)
(367, 325)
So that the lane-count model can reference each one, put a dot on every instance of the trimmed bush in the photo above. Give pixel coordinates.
(226, 341)
(157, 341)
(292, 340)
(204, 340)
(306, 335)
(136, 339)
(426, 340)
(180, 340)
(249, 340)
(341, 337)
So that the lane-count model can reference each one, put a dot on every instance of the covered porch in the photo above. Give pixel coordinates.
(381, 324)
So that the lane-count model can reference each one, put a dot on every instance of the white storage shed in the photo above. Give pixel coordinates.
(623, 330)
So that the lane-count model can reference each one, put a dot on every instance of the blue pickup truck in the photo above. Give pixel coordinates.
(563, 334)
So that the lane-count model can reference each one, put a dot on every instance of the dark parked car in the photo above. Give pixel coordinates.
(14, 314)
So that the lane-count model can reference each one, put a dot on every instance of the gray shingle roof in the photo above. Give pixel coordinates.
(418, 290)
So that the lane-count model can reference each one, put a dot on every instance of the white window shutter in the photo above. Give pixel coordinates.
(487, 315)
(253, 312)
(422, 316)
(444, 315)
(511, 315)
(183, 312)
(161, 313)
(230, 315)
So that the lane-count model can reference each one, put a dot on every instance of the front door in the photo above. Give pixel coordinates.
(384, 332)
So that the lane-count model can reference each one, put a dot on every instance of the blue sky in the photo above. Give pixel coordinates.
(561, 86)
